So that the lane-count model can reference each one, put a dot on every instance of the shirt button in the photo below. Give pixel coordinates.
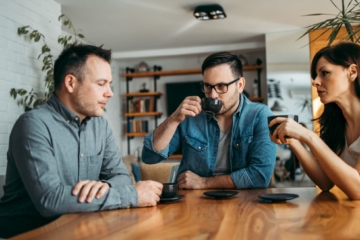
(81, 155)
(237, 144)
(199, 148)
(128, 206)
(76, 118)
(68, 121)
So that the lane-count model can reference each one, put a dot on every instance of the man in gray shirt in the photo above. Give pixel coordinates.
(62, 156)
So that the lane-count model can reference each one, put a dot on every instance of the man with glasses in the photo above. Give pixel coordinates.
(230, 149)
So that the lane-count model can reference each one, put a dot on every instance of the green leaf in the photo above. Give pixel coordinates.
(333, 34)
(316, 14)
(22, 92)
(12, 92)
(349, 30)
(48, 63)
(62, 15)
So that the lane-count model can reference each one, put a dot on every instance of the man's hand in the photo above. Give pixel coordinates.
(191, 106)
(148, 193)
(189, 180)
(89, 189)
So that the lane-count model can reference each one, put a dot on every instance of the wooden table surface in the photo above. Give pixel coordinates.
(314, 215)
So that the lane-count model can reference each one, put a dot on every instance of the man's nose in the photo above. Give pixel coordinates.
(109, 93)
(213, 93)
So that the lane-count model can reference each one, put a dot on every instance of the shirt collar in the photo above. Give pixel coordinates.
(65, 112)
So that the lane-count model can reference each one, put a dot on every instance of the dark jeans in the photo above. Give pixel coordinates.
(12, 226)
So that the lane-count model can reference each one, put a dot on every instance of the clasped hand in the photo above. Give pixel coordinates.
(287, 130)
(189, 180)
(88, 190)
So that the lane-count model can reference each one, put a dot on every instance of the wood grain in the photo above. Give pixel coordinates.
(314, 215)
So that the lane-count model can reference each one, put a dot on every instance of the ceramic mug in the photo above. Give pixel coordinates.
(211, 105)
(273, 127)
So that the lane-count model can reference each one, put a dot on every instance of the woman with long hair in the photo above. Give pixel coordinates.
(335, 154)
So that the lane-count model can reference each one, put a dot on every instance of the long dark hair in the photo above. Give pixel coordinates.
(332, 121)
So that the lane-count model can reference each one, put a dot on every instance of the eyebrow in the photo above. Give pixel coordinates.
(102, 79)
(215, 84)
(321, 68)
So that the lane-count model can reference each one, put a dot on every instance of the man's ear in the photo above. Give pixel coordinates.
(353, 72)
(241, 84)
(70, 83)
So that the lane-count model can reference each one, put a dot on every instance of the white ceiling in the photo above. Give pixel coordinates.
(153, 26)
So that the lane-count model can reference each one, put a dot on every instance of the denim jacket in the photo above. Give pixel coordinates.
(251, 152)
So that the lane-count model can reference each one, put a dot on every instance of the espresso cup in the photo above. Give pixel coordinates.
(273, 127)
(169, 190)
(211, 105)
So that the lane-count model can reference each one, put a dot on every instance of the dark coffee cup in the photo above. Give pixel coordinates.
(211, 105)
(273, 127)
(169, 190)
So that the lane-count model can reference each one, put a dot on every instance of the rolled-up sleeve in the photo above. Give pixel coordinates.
(150, 155)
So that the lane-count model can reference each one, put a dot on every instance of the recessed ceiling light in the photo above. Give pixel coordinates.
(208, 12)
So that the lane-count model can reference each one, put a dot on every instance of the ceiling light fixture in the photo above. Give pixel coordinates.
(209, 12)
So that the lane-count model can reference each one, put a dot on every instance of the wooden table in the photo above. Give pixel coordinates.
(314, 215)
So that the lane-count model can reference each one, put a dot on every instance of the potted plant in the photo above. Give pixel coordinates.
(31, 99)
(347, 17)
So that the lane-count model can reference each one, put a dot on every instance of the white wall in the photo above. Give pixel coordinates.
(19, 67)
(167, 63)
(288, 64)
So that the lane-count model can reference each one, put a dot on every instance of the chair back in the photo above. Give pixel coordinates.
(159, 172)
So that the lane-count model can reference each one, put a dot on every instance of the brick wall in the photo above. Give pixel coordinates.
(19, 66)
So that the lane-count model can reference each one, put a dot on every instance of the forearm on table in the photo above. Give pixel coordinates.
(340, 173)
(60, 201)
(164, 133)
(221, 181)
(311, 166)
(118, 180)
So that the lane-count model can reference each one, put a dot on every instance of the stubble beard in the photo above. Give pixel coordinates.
(84, 108)
(225, 109)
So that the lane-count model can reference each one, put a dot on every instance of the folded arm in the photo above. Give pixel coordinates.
(34, 157)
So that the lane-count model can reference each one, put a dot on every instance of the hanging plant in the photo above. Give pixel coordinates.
(31, 99)
(347, 17)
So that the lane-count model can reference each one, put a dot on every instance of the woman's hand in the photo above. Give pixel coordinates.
(287, 131)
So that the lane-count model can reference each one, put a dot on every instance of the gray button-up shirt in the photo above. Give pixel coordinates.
(49, 152)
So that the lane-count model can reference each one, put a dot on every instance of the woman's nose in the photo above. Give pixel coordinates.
(316, 82)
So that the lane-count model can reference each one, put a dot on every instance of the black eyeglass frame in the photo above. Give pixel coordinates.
(202, 85)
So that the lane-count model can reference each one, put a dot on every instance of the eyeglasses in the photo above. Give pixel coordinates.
(219, 88)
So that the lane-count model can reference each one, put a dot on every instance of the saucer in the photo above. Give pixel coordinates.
(171, 199)
(278, 197)
(220, 194)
